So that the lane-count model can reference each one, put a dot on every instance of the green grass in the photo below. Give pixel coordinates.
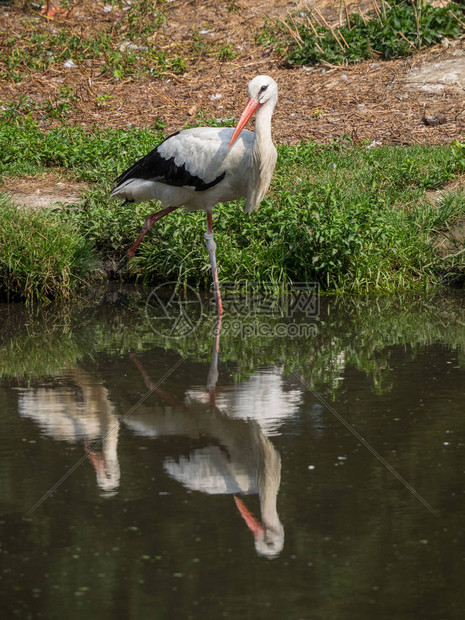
(94, 156)
(350, 217)
(41, 257)
(123, 48)
(395, 29)
(202, 47)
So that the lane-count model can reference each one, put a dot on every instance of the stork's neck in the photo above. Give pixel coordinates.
(269, 481)
(263, 158)
(263, 127)
(269, 510)
(110, 442)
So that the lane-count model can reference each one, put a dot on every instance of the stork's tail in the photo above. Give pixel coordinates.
(119, 192)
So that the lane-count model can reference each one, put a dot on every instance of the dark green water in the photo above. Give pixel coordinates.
(343, 433)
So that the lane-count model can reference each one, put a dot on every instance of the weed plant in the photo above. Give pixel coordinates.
(395, 29)
(125, 47)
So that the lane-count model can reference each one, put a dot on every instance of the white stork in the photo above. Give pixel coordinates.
(197, 168)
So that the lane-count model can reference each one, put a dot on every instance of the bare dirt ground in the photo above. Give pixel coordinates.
(417, 99)
(46, 190)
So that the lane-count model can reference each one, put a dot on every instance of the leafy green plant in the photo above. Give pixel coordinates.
(226, 52)
(398, 29)
(92, 156)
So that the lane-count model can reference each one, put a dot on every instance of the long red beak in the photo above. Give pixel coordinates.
(252, 522)
(249, 110)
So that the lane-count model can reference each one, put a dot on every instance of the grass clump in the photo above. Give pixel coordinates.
(350, 217)
(395, 29)
(41, 257)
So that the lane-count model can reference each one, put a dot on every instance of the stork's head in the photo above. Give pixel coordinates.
(263, 89)
(263, 92)
(107, 472)
(269, 539)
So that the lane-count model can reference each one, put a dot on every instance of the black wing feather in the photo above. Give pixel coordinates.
(154, 167)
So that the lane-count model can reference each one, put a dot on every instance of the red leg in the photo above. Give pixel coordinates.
(169, 398)
(213, 372)
(149, 222)
(211, 248)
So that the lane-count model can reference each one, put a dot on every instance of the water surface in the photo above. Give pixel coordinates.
(311, 470)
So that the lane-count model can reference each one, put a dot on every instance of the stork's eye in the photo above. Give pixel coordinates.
(262, 89)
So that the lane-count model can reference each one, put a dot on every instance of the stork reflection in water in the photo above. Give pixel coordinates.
(78, 409)
(239, 458)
